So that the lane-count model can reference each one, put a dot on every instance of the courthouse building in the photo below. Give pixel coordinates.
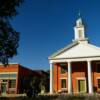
(76, 67)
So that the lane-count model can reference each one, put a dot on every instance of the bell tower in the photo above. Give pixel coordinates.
(79, 30)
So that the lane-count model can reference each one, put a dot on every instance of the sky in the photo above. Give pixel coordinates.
(46, 26)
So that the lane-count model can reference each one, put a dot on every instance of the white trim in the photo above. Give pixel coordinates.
(94, 50)
(66, 84)
(69, 78)
(7, 78)
(51, 78)
(89, 69)
(63, 49)
(81, 78)
(63, 78)
(97, 77)
(74, 59)
(8, 72)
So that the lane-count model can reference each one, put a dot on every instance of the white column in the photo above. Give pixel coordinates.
(51, 78)
(90, 87)
(69, 78)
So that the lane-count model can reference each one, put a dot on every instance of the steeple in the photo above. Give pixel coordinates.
(79, 30)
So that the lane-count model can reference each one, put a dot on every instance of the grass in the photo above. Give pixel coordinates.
(55, 97)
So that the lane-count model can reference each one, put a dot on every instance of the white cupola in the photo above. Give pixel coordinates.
(79, 31)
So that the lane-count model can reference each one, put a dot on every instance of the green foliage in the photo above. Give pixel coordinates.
(57, 97)
(8, 41)
(9, 38)
(34, 83)
(44, 83)
(8, 8)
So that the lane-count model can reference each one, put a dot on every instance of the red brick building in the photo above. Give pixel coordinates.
(14, 78)
(76, 68)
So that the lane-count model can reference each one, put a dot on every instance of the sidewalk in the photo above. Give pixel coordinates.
(13, 95)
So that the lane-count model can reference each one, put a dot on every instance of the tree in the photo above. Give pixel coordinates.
(34, 83)
(8, 8)
(44, 83)
(9, 38)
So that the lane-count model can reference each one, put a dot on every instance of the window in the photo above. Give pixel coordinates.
(98, 68)
(63, 68)
(98, 83)
(63, 83)
(4, 75)
(12, 83)
(4, 80)
(80, 33)
(81, 85)
(13, 75)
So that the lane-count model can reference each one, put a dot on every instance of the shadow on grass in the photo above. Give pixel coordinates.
(56, 97)
(27, 98)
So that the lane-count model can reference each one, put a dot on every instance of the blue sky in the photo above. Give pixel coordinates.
(46, 26)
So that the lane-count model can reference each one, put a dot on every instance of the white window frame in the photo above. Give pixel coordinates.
(66, 83)
(97, 82)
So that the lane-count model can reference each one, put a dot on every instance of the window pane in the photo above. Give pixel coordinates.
(4, 75)
(98, 83)
(63, 68)
(14, 75)
(81, 85)
(98, 68)
(12, 83)
(63, 83)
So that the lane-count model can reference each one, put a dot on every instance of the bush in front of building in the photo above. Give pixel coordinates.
(38, 85)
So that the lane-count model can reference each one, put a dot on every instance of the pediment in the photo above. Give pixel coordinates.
(77, 50)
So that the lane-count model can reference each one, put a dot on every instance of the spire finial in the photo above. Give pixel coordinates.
(79, 14)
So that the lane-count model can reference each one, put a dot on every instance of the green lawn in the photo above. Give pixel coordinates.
(56, 97)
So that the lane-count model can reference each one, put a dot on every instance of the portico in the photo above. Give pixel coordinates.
(69, 76)
(83, 78)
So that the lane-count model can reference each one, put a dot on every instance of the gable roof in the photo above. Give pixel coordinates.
(63, 49)
(77, 50)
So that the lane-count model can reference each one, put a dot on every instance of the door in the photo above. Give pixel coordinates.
(3, 88)
(81, 86)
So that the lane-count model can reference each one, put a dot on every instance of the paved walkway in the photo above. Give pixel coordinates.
(12, 95)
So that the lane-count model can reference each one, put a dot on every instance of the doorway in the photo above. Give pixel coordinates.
(3, 88)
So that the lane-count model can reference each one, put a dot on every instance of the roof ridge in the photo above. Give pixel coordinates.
(93, 46)
(63, 49)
